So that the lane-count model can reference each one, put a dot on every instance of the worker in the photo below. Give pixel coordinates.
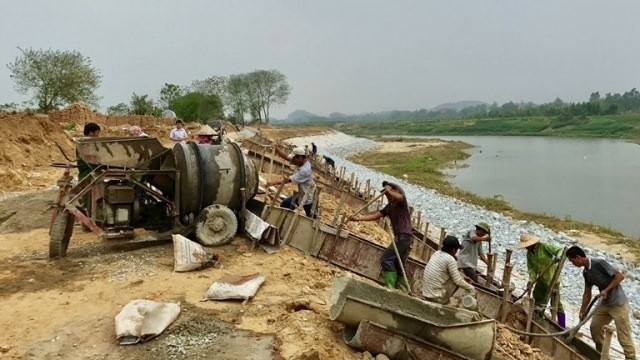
(303, 177)
(206, 134)
(397, 209)
(615, 305)
(314, 149)
(542, 257)
(441, 275)
(307, 151)
(329, 161)
(472, 250)
(178, 134)
(135, 130)
(90, 130)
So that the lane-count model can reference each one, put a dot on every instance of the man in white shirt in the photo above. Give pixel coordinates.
(178, 134)
(441, 275)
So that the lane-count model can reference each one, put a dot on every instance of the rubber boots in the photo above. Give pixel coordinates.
(402, 284)
(562, 320)
(390, 279)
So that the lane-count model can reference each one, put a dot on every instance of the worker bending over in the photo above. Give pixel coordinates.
(542, 263)
(441, 275)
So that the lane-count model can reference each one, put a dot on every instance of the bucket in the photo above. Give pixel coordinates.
(469, 302)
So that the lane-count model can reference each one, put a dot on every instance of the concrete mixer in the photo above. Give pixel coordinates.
(136, 183)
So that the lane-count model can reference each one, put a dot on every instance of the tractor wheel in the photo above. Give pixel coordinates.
(216, 225)
(60, 234)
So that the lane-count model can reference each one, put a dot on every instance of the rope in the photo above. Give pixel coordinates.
(567, 331)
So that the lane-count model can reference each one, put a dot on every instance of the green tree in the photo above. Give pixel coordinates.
(142, 105)
(119, 109)
(214, 85)
(195, 106)
(168, 93)
(236, 98)
(265, 89)
(55, 77)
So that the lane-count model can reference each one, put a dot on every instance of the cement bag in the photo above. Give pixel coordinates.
(189, 255)
(235, 287)
(142, 320)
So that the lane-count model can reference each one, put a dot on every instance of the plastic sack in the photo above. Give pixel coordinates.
(189, 255)
(235, 287)
(142, 320)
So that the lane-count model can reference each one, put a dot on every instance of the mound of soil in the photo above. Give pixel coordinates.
(26, 212)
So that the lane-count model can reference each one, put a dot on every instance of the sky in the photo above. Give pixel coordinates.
(347, 56)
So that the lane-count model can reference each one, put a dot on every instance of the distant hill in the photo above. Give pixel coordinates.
(299, 115)
(458, 105)
(443, 111)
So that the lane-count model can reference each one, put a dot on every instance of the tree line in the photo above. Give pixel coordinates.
(55, 78)
(610, 104)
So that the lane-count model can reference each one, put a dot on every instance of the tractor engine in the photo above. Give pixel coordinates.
(117, 210)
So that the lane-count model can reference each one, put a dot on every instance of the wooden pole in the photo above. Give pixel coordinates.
(507, 258)
(489, 281)
(276, 197)
(336, 213)
(273, 154)
(506, 281)
(443, 234)
(423, 246)
(367, 187)
(532, 306)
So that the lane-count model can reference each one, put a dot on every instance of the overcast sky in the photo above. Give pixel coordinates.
(348, 56)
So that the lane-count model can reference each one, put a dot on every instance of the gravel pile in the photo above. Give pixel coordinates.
(458, 217)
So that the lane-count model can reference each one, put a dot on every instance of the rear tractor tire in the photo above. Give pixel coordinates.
(216, 225)
(60, 234)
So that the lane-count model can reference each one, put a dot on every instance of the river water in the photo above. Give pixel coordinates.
(589, 180)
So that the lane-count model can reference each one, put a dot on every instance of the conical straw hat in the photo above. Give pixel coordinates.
(527, 240)
(207, 130)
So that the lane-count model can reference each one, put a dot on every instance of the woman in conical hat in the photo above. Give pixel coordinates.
(206, 134)
(539, 256)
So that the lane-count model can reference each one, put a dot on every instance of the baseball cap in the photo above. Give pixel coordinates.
(450, 242)
(296, 151)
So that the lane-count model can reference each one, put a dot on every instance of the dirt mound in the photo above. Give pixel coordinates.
(28, 148)
(25, 212)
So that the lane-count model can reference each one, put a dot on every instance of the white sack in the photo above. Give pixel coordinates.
(235, 287)
(254, 225)
(142, 320)
(188, 254)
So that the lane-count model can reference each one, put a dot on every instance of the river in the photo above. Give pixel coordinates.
(590, 180)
